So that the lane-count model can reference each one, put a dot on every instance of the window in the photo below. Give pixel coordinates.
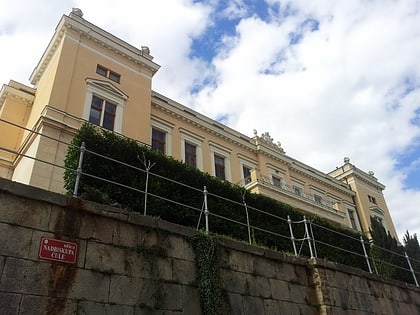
(219, 166)
(104, 104)
(318, 199)
(102, 113)
(297, 190)
(191, 148)
(158, 140)
(276, 181)
(352, 219)
(246, 171)
(190, 154)
(372, 199)
(108, 73)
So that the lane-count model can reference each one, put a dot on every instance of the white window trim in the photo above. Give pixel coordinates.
(195, 140)
(223, 152)
(281, 174)
(356, 218)
(244, 162)
(377, 212)
(106, 91)
(167, 129)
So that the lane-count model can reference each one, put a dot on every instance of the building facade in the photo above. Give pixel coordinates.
(87, 74)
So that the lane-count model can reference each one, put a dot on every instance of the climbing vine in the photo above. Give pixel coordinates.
(206, 250)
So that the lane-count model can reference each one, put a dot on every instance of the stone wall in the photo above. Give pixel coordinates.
(131, 264)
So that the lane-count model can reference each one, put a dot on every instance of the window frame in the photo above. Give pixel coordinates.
(188, 137)
(161, 144)
(219, 166)
(107, 73)
(107, 91)
(103, 112)
(218, 150)
(190, 156)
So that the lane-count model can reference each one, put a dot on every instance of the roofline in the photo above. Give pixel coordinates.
(95, 34)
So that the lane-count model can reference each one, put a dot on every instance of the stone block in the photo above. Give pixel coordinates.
(191, 300)
(271, 307)
(137, 265)
(32, 304)
(184, 272)
(239, 261)
(105, 258)
(24, 212)
(89, 285)
(279, 290)
(97, 228)
(15, 241)
(234, 282)
(253, 305)
(258, 286)
(298, 293)
(235, 306)
(127, 235)
(88, 308)
(292, 308)
(25, 276)
(176, 246)
(134, 291)
(172, 297)
(265, 267)
(9, 303)
(163, 267)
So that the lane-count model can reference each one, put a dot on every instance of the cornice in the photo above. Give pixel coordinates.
(98, 36)
(361, 175)
(19, 94)
(273, 151)
(196, 119)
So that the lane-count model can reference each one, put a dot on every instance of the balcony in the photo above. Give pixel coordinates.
(301, 200)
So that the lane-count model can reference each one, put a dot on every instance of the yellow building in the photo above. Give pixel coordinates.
(87, 74)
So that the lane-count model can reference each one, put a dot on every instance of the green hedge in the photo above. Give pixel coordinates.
(132, 153)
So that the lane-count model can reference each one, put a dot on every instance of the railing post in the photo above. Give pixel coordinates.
(411, 269)
(79, 169)
(366, 255)
(247, 218)
(308, 236)
(206, 210)
(147, 165)
(292, 237)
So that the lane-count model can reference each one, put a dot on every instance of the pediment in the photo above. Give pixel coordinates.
(106, 87)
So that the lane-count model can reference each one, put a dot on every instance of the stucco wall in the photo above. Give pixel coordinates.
(131, 264)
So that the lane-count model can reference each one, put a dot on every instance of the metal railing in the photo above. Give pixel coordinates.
(303, 235)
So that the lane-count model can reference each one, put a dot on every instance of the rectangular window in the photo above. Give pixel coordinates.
(247, 174)
(158, 140)
(352, 219)
(101, 70)
(219, 166)
(102, 113)
(276, 181)
(372, 199)
(190, 154)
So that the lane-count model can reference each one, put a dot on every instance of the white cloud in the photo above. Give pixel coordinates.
(339, 91)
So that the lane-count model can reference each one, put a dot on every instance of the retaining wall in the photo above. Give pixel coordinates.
(133, 264)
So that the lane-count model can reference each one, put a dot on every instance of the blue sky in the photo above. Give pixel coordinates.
(326, 78)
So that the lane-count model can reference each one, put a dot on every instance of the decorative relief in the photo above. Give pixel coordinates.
(266, 139)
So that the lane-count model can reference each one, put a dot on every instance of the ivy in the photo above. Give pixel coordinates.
(206, 250)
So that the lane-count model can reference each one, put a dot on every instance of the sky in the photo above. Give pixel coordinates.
(326, 79)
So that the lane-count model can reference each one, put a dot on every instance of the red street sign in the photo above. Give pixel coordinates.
(57, 250)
